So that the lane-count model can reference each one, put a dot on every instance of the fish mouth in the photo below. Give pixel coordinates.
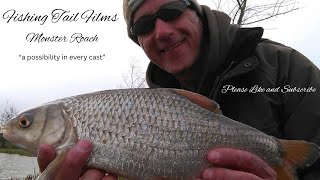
(3, 129)
(171, 47)
(6, 133)
(12, 139)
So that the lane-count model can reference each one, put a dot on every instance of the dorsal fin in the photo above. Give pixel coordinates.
(200, 100)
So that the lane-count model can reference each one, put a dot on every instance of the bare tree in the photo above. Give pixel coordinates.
(248, 12)
(135, 77)
(7, 111)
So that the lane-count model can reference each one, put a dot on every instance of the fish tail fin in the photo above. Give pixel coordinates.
(296, 154)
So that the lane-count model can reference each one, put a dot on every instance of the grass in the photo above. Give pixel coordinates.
(29, 177)
(12, 149)
(15, 151)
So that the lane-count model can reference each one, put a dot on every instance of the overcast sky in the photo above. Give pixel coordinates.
(30, 83)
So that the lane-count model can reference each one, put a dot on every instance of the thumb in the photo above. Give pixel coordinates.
(45, 155)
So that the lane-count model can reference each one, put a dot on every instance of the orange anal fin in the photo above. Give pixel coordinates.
(200, 100)
(284, 173)
(297, 154)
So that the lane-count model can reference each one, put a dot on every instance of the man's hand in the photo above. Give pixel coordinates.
(232, 164)
(228, 164)
(73, 164)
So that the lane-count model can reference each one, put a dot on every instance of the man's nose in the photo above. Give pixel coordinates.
(162, 29)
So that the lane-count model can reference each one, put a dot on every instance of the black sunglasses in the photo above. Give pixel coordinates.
(167, 12)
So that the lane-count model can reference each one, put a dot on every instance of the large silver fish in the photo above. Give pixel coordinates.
(150, 134)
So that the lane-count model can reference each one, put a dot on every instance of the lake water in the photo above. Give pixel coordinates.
(16, 166)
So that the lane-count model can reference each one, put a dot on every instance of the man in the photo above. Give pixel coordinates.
(256, 81)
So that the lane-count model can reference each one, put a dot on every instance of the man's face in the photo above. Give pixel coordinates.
(172, 45)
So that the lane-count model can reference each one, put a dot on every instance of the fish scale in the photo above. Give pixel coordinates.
(153, 133)
(162, 111)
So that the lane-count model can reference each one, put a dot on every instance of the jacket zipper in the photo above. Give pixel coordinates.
(218, 81)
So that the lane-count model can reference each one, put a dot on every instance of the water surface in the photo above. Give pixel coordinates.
(16, 166)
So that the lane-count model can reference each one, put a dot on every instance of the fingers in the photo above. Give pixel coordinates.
(93, 174)
(242, 161)
(45, 155)
(71, 168)
(227, 174)
(109, 177)
(73, 164)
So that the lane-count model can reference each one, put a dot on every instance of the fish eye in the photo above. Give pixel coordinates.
(25, 120)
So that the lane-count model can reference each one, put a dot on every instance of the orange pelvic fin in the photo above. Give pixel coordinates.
(297, 154)
(200, 100)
